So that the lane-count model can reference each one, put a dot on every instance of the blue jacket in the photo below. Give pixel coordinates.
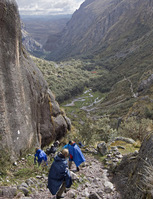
(40, 155)
(58, 173)
(77, 154)
(66, 146)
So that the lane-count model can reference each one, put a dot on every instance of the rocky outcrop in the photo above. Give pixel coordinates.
(135, 173)
(145, 84)
(29, 114)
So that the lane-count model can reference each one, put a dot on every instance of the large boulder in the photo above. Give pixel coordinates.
(29, 114)
(102, 148)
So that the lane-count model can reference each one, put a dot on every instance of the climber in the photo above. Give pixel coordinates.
(59, 176)
(80, 145)
(56, 143)
(52, 150)
(75, 155)
(67, 146)
(40, 157)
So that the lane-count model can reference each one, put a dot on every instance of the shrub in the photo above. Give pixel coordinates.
(134, 128)
(100, 131)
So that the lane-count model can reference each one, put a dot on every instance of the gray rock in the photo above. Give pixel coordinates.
(127, 140)
(39, 177)
(74, 176)
(25, 190)
(29, 182)
(24, 185)
(34, 180)
(27, 104)
(9, 192)
(119, 156)
(120, 147)
(33, 190)
(102, 148)
(100, 193)
(94, 196)
(145, 83)
(86, 192)
(114, 148)
(115, 160)
(108, 187)
(71, 194)
(20, 195)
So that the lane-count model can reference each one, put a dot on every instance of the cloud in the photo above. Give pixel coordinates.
(48, 6)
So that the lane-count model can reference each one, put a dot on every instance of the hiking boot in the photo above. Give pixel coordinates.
(78, 169)
(58, 197)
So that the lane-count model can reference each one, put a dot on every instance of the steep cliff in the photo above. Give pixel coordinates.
(29, 114)
(99, 24)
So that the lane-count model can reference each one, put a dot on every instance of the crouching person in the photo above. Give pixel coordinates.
(40, 157)
(59, 176)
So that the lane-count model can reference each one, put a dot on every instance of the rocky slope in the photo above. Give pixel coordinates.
(92, 181)
(29, 114)
(131, 178)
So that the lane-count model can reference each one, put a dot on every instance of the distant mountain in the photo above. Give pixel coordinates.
(41, 26)
(103, 27)
(36, 30)
(31, 45)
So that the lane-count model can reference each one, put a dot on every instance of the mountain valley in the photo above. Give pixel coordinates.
(98, 65)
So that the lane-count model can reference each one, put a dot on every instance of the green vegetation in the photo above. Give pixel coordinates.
(65, 79)
(22, 170)
(128, 148)
(4, 162)
(93, 132)
(134, 128)
(109, 81)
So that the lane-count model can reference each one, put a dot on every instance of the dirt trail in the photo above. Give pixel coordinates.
(93, 182)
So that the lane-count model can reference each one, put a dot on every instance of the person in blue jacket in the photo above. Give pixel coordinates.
(40, 157)
(67, 145)
(76, 155)
(59, 177)
(80, 145)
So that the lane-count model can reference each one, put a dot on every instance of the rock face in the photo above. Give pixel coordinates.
(145, 84)
(29, 114)
(135, 173)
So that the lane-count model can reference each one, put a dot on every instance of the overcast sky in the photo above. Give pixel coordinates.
(48, 6)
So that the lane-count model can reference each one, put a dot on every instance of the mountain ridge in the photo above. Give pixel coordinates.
(92, 29)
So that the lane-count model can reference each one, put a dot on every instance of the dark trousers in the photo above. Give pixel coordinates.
(61, 189)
